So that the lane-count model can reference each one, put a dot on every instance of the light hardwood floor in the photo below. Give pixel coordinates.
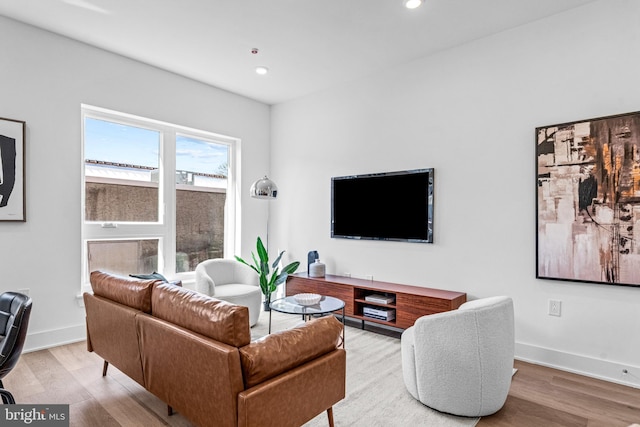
(544, 397)
(539, 396)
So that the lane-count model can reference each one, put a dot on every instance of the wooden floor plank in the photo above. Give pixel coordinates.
(56, 384)
(74, 356)
(21, 381)
(541, 396)
(90, 413)
(523, 413)
(601, 390)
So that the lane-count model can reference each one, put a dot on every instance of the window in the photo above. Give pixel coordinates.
(156, 196)
(201, 184)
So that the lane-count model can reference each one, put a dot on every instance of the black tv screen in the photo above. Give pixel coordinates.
(383, 206)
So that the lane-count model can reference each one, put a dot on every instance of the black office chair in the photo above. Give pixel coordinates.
(15, 310)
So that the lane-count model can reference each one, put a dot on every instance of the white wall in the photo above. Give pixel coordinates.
(43, 80)
(470, 113)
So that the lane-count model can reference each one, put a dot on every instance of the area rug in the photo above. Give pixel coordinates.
(376, 395)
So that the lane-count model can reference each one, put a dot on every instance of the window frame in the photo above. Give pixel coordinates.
(165, 228)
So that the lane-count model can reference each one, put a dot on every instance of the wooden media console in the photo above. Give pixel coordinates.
(407, 302)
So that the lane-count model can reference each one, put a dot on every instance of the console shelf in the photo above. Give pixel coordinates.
(408, 302)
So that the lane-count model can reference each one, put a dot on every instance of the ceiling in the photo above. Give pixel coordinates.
(307, 45)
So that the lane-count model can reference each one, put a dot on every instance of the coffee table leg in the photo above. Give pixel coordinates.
(343, 329)
(270, 321)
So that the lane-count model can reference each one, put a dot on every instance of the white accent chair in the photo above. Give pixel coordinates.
(231, 281)
(461, 362)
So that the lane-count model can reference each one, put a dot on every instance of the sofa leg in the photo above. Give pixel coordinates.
(104, 368)
(169, 410)
(330, 416)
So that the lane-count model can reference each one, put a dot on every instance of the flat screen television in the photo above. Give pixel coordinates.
(383, 206)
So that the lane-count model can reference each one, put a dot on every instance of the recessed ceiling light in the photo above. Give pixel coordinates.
(262, 70)
(412, 4)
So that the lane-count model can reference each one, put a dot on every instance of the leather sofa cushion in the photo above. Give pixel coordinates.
(213, 318)
(282, 351)
(132, 292)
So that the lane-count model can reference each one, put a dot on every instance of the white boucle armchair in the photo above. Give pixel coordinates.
(461, 362)
(230, 281)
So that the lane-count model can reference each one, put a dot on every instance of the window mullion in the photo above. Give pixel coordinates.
(168, 162)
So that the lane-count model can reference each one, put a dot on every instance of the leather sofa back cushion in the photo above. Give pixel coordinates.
(213, 318)
(282, 351)
(134, 293)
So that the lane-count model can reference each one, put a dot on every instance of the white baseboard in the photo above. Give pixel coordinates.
(53, 338)
(619, 373)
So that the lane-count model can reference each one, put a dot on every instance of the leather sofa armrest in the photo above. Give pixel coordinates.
(305, 392)
(282, 351)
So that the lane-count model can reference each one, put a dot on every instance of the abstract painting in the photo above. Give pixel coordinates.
(588, 200)
(12, 170)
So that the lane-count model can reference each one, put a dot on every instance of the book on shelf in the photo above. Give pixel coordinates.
(379, 313)
(380, 299)
(373, 316)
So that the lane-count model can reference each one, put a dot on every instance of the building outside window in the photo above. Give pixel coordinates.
(155, 195)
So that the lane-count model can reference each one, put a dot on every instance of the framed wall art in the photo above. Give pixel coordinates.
(12, 170)
(588, 200)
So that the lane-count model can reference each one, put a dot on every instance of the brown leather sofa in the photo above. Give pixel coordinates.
(195, 353)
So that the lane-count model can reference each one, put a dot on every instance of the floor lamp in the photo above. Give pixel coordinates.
(266, 189)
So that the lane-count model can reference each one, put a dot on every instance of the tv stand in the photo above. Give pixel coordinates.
(407, 303)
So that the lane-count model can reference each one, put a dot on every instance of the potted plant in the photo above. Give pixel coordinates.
(270, 278)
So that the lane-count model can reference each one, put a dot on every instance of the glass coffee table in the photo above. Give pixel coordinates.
(290, 306)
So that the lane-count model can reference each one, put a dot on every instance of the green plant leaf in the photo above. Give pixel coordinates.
(277, 261)
(291, 268)
(262, 252)
(273, 281)
(282, 277)
(247, 264)
(264, 285)
(269, 281)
